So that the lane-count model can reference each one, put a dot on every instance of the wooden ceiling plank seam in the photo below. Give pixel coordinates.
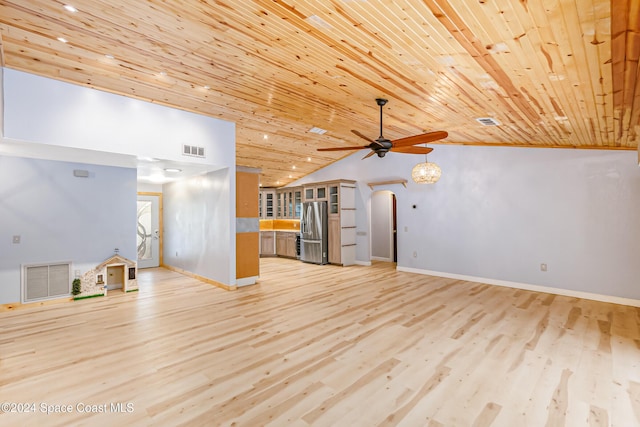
(549, 91)
(552, 29)
(578, 43)
(515, 57)
(453, 74)
(2, 62)
(375, 64)
(457, 28)
(412, 82)
(519, 41)
(562, 23)
(248, 58)
(632, 75)
(599, 70)
(619, 25)
(182, 55)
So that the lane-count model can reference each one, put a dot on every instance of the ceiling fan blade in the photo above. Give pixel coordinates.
(371, 153)
(342, 148)
(420, 139)
(412, 150)
(355, 132)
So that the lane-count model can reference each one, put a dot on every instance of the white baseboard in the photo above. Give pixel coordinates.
(246, 281)
(364, 263)
(527, 287)
(379, 258)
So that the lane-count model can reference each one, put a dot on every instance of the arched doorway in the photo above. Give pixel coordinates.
(384, 243)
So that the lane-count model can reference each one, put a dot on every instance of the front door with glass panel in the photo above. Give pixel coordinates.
(148, 230)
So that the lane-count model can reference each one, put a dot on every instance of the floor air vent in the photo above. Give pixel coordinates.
(45, 281)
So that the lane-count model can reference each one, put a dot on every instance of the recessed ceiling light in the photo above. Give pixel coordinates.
(308, 159)
(62, 39)
(265, 136)
(109, 56)
(290, 176)
(70, 8)
(206, 87)
(172, 170)
(163, 73)
(293, 167)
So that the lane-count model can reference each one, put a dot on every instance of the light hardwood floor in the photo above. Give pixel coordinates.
(324, 346)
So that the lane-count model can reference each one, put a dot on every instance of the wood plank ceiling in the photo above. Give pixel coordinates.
(553, 73)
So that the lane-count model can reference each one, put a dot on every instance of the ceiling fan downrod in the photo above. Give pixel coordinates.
(381, 102)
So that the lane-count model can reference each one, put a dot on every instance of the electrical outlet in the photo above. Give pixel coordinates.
(176, 253)
(406, 228)
(543, 267)
(16, 239)
(415, 254)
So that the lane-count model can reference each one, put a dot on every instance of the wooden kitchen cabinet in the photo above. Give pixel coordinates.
(315, 192)
(267, 243)
(286, 244)
(341, 208)
(289, 202)
(267, 204)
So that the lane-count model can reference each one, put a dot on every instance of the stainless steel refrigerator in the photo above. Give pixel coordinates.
(313, 231)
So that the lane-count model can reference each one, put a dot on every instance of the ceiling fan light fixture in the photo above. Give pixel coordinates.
(426, 173)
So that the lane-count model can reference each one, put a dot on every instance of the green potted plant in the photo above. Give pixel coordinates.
(75, 289)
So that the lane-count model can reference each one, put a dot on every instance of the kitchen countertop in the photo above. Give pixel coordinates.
(282, 230)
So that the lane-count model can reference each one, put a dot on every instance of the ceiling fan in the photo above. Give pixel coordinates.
(383, 145)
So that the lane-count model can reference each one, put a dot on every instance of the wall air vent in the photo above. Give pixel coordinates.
(45, 281)
(192, 150)
(317, 130)
(488, 121)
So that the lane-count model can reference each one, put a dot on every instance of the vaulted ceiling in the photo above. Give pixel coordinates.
(552, 73)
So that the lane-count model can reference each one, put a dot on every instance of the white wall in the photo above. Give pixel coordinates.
(144, 187)
(498, 213)
(199, 229)
(47, 111)
(48, 118)
(62, 218)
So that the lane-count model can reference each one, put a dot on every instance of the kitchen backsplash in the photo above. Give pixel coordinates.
(280, 224)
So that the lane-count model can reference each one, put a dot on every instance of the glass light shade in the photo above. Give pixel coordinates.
(426, 173)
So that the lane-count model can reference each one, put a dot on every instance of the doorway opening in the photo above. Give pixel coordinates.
(115, 277)
(384, 233)
(149, 230)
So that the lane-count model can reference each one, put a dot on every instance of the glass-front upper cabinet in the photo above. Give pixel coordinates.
(309, 193)
(268, 209)
(321, 193)
(334, 206)
(297, 203)
(280, 204)
(289, 200)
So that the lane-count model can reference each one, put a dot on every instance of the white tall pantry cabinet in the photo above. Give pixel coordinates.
(342, 221)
